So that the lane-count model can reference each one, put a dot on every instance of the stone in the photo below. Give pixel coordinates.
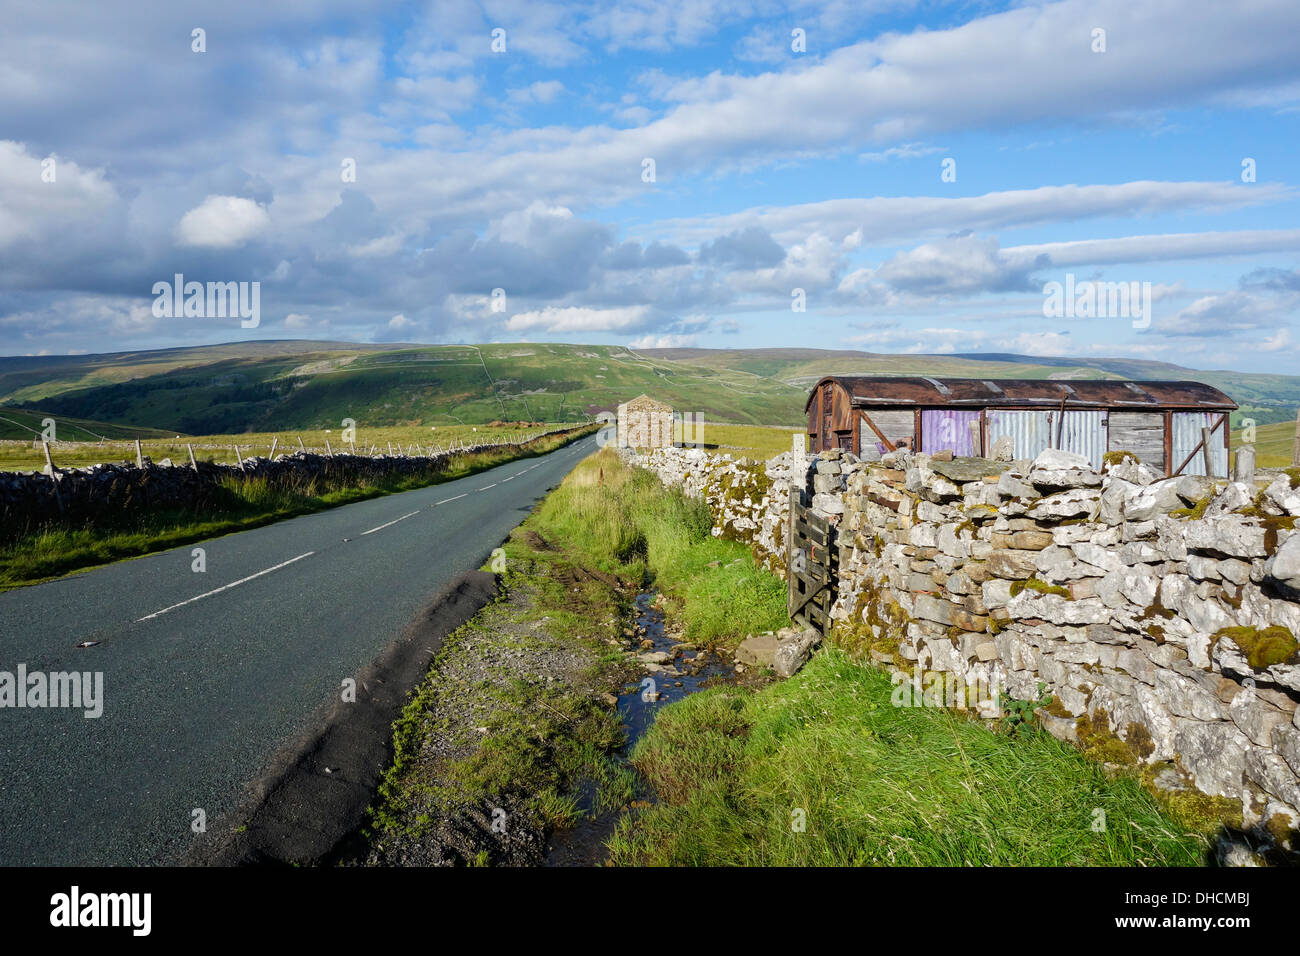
(1256, 719)
(758, 650)
(1074, 503)
(1010, 486)
(1231, 536)
(1012, 564)
(828, 504)
(823, 483)
(1054, 459)
(1283, 568)
(1157, 498)
(1272, 774)
(964, 470)
(1132, 470)
(996, 592)
(1057, 609)
(1214, 754)
(1280, 498)
(793, 652)
(1234, 497)
(1031, 540)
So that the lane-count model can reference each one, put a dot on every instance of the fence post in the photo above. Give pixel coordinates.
(193, 463)
(139, 456)
(54, 476)
(301, 447)
(328, 450)
(238, 458)
(1244, 471)
(1295, 452)
(274, 441)
(1206, 455)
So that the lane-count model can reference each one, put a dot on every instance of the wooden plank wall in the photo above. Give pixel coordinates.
(1142, 433)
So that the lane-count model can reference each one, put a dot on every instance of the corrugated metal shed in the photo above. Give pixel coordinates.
(865, 391)
(1165, 418)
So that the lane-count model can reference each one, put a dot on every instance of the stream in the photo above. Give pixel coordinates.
(676, 670)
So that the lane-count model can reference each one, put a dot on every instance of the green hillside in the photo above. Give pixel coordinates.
(22, 424)
(273, 386)
(231, 389)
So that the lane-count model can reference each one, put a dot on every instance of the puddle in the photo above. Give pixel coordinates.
(681, 672)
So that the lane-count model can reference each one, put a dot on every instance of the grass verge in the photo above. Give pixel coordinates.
(740, 772)
(516, 715)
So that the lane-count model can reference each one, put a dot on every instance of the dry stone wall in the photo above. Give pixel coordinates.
(1160, 615)
(28, 500)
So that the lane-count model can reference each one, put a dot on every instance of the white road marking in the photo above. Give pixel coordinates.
(445, 500)
(387, 524)
(226, 587)
(493, 485)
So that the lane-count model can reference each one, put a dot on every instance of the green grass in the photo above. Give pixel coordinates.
(877, 785)
(749, 441)
(53, 550)
(74, 449)
(625, 522)
(1274, 444)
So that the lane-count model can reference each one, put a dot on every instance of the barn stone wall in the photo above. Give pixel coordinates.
(644, 423)
(1159, 615)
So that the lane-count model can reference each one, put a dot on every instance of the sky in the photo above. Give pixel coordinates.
(883, 175)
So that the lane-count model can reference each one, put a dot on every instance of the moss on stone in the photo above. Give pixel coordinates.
(1195, 513)
(1118, 457)
(1262, 648)
(1190, 807)
(1042, 587)
(1099, 742)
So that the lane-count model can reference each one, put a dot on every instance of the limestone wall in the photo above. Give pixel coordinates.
(1160, 615)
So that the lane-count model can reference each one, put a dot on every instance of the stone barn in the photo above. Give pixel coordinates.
(645, 423)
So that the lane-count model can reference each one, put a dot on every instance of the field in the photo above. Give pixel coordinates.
(748, 441)
(28, 456)
(1273, 444)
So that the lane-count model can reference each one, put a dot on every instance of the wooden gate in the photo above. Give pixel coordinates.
(811, 565)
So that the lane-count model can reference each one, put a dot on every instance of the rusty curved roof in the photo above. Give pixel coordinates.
(882, 390)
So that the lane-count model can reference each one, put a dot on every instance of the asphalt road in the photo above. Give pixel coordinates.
(207, 674)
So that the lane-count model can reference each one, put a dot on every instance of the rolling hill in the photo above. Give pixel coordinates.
(270, 386)
(232, 389)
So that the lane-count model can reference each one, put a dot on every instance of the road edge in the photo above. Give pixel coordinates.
(318, 788)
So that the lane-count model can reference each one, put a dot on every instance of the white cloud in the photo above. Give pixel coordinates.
(222, 221)
(579, 319)
(663, 342)
(543, 91)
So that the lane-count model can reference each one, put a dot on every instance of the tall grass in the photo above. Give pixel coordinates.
(875, 784)
(623, 521)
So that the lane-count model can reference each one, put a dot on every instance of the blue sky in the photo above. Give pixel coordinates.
(776, 170)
